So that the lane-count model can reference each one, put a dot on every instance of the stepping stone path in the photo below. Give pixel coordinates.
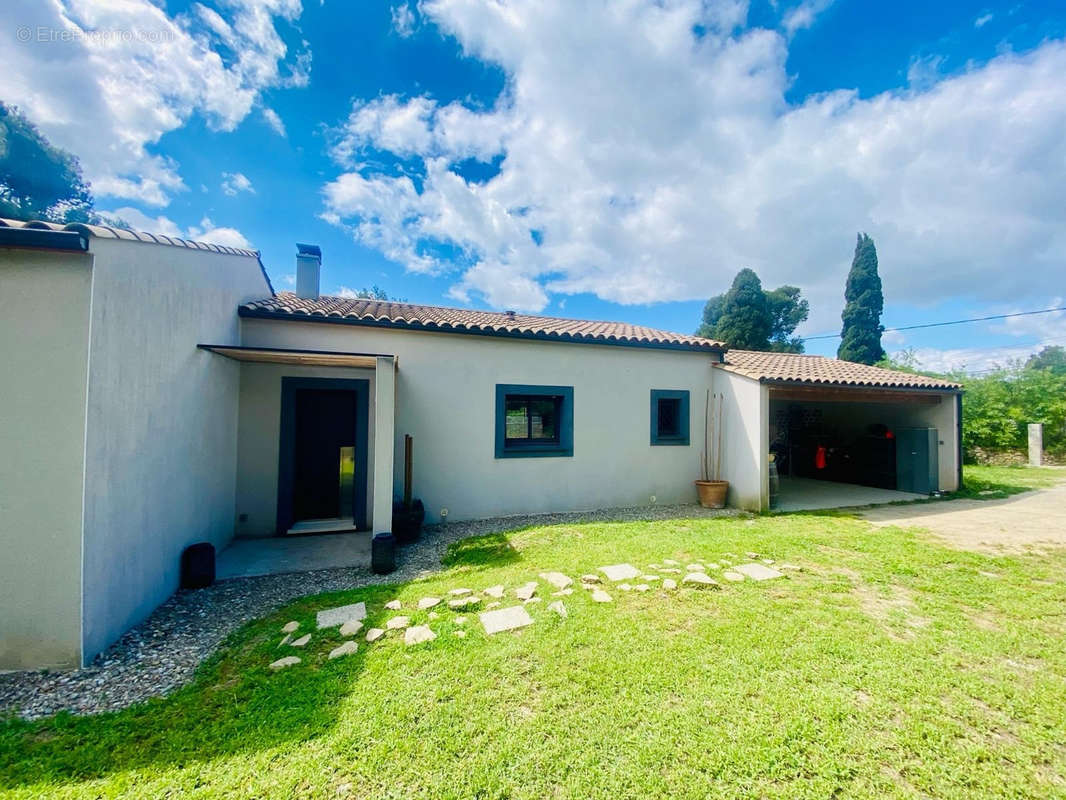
(418, 634)
(758, 572)
(398, 623)
(620, 572)
(527, 591)
(393, 605)
(463, 602)
(460, 592)
(557, 579)
(345, 649)
(332, 617)
(558, 608)
(428, 602)
(281, 663)
(600, 596)
(302, 641)
(290, 627)
(590, 578)
(351, 627)
(493, 604)
(505, 619)
(735, 577)
(374, 634)
(669, 584)
(494, 591)
(285, 640)
(699, 580)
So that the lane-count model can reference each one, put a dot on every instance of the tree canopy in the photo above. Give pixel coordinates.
(863, 303)
(37, 179)
(748, 317)
(1052, 357)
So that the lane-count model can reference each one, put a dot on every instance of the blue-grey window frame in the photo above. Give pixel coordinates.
(564, 448)
(682, 437)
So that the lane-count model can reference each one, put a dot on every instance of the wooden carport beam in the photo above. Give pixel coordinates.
(839, 394)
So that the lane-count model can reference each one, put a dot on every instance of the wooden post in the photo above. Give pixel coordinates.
(1036, 444)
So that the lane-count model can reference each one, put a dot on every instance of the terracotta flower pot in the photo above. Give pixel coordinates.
(712, 493)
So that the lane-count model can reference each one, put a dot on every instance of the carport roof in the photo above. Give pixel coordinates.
(792, 368)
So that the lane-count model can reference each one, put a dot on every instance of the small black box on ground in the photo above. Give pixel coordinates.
(383, 553)
(198, 565)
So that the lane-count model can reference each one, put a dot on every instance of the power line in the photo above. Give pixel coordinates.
(952, 322)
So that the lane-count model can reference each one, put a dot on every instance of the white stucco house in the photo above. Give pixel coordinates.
(158, 392)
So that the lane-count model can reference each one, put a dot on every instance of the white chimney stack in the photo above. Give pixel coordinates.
(308, 267)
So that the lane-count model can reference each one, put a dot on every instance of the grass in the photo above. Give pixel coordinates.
(999, 482)
(890, 666)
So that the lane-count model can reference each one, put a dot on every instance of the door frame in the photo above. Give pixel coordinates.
(287, 444)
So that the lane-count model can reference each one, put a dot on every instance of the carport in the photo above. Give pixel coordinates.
(839, 434)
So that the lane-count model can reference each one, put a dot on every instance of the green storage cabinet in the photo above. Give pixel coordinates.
(917, 460)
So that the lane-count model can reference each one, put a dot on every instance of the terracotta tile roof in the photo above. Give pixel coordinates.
(381, 313)
(793, 368)
(106, 232)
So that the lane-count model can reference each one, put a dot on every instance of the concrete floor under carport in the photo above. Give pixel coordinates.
(277, 555)
(810, 494)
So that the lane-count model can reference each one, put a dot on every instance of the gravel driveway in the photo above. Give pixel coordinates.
(163, 652)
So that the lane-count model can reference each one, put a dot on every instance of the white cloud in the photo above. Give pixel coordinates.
(127, 73)
(983, 20)
(206, 231)
(403, 20)
(233, 183)
(289, 279)
(804, 15)
(270, 116)
(654, 163)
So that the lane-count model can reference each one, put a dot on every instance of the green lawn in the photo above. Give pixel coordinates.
(891, 666)
(1000, 482)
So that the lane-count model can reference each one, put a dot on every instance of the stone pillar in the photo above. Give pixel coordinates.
(1036, 444)
(384, 444)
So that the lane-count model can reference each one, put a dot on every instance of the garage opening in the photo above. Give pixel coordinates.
(836, 447)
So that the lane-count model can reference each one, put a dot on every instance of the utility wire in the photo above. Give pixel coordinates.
(952, 322)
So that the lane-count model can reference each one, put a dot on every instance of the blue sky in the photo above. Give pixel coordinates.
(617, 161)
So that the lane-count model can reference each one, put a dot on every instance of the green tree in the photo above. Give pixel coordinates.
(38, 180)
(863, 304)
(1052, 357)
(778, 313)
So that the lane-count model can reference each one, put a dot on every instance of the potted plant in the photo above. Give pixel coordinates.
(407, 514)
(712, 490)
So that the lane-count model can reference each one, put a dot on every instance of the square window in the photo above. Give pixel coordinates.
(534, 421)
(669, 417)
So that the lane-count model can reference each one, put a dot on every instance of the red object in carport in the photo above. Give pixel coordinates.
(819, 458)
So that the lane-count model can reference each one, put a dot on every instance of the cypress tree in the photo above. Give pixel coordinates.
(863, 303)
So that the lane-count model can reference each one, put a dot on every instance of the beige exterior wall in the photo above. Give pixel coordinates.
(161, 449)
(445, 398)
(44, 347)
(745, 442)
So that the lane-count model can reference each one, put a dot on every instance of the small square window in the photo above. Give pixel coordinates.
(534, 421)
(669, 416)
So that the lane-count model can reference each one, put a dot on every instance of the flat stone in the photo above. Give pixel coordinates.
(463, 602)
(393, 605)
(558, 608)
(557, 579)
(285, 640)
(768, 561)
(695, 568)
(433, 615)
(374, 634)
(461, 634)
(417, 634)
(620, 572)
(758, 572)
(290, 627)
(650, 578)
(979, 572)
(428, 602)
(345, 649)
(301, 642)
(281, 663)
(563, 592)
(505, 619)
(332, 617)
(527, 591)
(590, 578)
(671, 562)
(493, 604)
(351, 627)
(790, 567)
(460, 620)
(700, 580)
(713, 565)
(735, 577)
(600, 596)
(460, 592)
(669, 584)
(494, 591)
(624, 587)
(671, 570)
(641, 587)
(529, 600)
(398, 623)
(751, 555)
(655, 567)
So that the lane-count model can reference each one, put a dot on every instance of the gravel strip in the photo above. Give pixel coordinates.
(163, 652)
